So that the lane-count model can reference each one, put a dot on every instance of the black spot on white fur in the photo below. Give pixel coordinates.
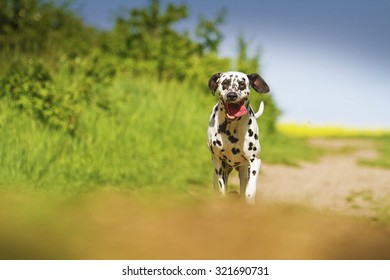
(233, 139)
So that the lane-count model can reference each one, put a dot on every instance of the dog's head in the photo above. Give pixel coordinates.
(234, 88)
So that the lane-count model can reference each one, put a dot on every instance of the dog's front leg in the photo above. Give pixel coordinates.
(248, 180)
(243, 171)
(221, 173)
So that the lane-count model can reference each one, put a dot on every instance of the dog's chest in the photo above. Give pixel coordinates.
(234, 142)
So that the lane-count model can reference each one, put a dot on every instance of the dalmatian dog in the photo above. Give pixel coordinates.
(233, 134)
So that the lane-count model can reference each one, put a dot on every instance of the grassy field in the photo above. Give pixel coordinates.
(145, 140)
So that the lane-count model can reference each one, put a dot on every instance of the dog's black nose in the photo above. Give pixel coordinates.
(231, 96)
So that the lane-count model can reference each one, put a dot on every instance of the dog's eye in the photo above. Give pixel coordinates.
(225, 84)
(242, 86)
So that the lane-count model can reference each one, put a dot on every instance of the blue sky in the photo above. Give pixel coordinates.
(327, 62)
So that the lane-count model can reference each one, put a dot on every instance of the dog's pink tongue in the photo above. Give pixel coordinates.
(237, 110)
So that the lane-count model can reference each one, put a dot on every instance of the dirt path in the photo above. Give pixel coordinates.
(334, 183)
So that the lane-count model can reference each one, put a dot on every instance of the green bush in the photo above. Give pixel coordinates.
(29, 87)
(58, 100)
(89, 76)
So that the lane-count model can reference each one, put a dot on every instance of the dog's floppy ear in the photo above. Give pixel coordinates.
(213, 84)
(258, 83)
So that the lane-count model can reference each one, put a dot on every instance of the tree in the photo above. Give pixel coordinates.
(148, 35)
(36, 26)
(208, 32)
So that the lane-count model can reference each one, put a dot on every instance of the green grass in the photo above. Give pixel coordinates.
(378, 207)
(278, 148)
(155, 136)
(153, 139)
(383, 149)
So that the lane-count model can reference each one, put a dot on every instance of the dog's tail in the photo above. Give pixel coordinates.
(260, 111)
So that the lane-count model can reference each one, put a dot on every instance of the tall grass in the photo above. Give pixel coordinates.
(154, 135)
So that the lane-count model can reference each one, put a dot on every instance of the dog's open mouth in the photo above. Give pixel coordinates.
(235, 110)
